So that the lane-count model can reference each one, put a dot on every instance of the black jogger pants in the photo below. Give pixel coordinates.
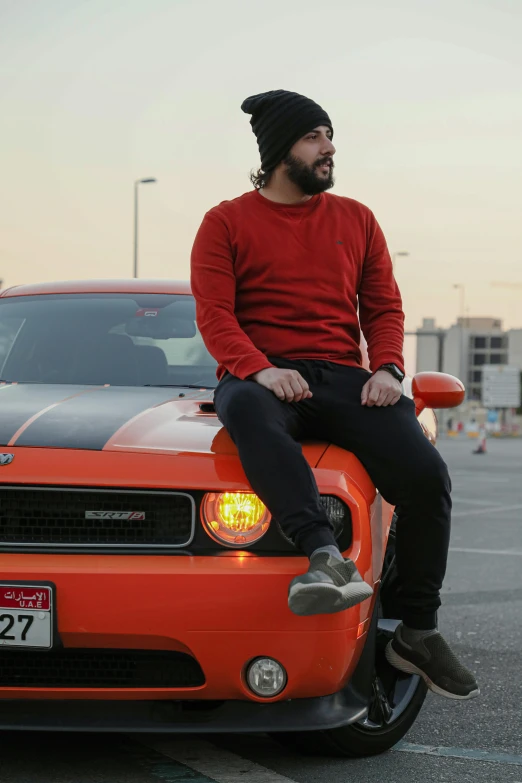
(405, 467)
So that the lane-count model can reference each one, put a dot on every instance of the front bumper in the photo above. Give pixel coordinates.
(323, 712)
(222, 610)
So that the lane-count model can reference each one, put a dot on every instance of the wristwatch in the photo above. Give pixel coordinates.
(393, 370)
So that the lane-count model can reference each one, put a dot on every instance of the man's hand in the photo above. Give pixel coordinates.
(287, 385)
(382, 389)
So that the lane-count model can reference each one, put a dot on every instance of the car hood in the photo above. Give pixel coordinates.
(116, 418)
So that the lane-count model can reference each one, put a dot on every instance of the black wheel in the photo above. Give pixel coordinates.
(396, 697)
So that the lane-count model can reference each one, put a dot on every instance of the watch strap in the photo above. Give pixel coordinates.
(393, 370)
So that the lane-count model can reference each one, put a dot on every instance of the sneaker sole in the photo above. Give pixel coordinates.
(403, 665)
(319, 598)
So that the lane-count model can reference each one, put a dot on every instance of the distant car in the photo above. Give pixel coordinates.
(143, 586)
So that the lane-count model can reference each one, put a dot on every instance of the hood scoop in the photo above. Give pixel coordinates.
(207, 407)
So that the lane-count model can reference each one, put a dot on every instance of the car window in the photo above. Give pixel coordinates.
(117, 339)
(189, 351)
(9, 328)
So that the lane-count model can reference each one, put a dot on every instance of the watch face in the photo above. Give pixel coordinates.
(396, 372)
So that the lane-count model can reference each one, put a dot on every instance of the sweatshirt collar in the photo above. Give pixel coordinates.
(295, 209)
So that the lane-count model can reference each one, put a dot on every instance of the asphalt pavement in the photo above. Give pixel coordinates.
(474, 741)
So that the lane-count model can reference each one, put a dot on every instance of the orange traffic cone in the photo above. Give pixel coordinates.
(481, 448)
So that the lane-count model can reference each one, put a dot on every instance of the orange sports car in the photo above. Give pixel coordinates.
(143, 586)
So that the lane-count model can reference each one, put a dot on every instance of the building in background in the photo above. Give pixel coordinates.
(488, 360)
(428, 346)
(515, 348)
(467, 346)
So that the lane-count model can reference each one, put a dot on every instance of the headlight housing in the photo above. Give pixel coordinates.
(236, 519)
(239, 519)
(338, 512)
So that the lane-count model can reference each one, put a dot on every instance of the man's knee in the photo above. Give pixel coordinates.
(243, 402)
(428, 475)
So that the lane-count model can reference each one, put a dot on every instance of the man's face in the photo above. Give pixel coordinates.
(309, 164)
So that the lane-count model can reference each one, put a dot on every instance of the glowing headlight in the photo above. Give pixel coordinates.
(236, 519)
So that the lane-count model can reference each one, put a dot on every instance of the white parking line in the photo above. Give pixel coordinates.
(516, 552)
(219, 765)
(476, 512)
(478, 476)
(471, 754)
(473, 501)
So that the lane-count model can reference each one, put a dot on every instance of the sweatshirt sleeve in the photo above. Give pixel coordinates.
(380, 304)
(213, 284)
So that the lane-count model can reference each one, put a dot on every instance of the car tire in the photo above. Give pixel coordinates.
(396, 697)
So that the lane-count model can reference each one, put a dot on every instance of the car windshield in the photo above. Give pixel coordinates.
(116, 339)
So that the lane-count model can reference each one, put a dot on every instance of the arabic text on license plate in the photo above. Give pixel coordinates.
(26, 615)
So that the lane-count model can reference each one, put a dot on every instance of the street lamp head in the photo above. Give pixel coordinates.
(148, 179)
(398, 253)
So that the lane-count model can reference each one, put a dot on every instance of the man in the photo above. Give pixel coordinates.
(279, 275)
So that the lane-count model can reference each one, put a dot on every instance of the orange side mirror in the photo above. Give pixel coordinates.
(437, 390)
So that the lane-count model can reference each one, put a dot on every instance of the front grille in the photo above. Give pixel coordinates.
(55, 517)
(90, 668)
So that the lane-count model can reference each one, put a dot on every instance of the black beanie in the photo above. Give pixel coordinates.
(279, 119)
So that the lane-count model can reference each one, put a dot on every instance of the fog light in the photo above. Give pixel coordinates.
(266, 677)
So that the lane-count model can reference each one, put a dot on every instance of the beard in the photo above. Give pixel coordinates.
(306, 177)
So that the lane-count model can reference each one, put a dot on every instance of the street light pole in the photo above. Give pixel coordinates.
(136, 229)
(462, 357)
(136, 184)
(462, 298)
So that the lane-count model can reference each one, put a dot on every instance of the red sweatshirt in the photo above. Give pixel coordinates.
(285, 280)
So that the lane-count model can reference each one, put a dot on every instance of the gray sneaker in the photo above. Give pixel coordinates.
(433, 660)
(328, 586)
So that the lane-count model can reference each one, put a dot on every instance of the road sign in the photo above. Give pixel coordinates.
(500, 386)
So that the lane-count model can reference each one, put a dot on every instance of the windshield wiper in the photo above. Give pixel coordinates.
(177, 386)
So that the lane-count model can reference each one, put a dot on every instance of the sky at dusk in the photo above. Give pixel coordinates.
(425, 98)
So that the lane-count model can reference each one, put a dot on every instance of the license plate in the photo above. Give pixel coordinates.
(26, 615)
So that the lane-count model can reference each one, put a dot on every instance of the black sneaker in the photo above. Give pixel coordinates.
(433, 660)
(328, 586)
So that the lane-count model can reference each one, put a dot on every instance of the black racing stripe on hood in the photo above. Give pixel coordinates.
(89, 421)
(20, 401)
